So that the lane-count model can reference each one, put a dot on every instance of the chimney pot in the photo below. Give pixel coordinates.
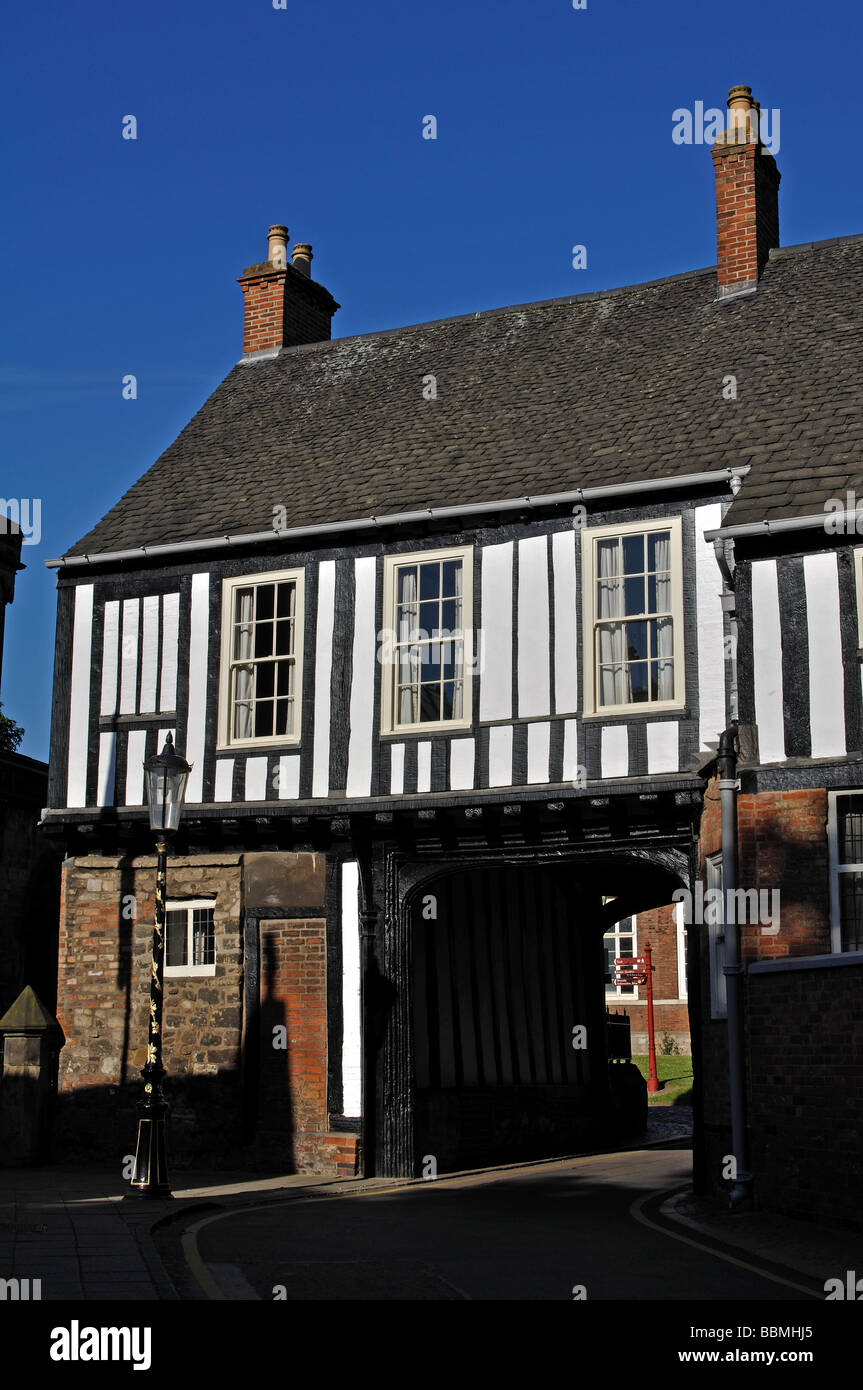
(277, 237)
(301, 257)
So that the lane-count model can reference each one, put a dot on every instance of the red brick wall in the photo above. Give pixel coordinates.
(804, 1027)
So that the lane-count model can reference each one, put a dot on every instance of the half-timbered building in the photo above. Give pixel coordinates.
(448, 620)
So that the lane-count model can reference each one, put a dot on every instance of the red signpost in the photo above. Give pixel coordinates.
(638, 970)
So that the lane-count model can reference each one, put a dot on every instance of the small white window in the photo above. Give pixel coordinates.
(620, 940)
(427, 641)
(845, 841)
(632, 579)
(190, 940)
(262, 667)
(716, 938)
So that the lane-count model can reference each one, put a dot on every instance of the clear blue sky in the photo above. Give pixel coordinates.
(554, 129)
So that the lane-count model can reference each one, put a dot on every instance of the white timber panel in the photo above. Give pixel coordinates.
(136, 749)
(107, 765)
(351, 1031)
(461, 764)
(495, 691)
(767, 661)
(129, 660)
(110, 657)
(363, 673)
(565, 625)
(500, 756)
(256, 779)
(170, 647)
(826, 672)
(323, 673)
(79, 696)
(289, 777)
(571, 769)
(423, 767)
(662, 746)
(224, 780)
(397, 769)
(710, 645)
(614, 759)
(538, 747)
(197, 720)
(149, 654)
(534, 696)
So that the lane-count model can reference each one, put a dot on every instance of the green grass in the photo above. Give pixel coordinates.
(675, 1079)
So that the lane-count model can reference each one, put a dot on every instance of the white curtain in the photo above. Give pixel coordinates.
(609, 587)
(407, 622)
(243, 675)
(664, 626)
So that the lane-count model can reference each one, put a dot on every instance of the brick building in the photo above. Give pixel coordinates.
(448, 621)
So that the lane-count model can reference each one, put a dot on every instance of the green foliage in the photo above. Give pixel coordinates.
(668, 1045)
(11, 733)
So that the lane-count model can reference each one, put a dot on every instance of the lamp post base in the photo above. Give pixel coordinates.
(150, 1178)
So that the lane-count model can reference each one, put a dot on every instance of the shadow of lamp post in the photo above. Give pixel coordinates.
(165, 777)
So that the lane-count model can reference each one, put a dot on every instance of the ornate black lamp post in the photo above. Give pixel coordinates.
(166, 775)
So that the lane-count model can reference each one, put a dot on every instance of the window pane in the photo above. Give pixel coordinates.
(286, 600)
(203, 936)
(430, 580)
(657, 550)
(850, 814)
(176, 925)
(264, 600)
(851, 911)
(451, 578)
(636, 641)
(266, 675)
(637, 681)
(634, 595)
(284, 637)
(263, 719)
(263, 639)
(633, 554)
(429, 619)
(429, 704)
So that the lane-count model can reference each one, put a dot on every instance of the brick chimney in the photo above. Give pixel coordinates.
(284, 307)
(747, 197)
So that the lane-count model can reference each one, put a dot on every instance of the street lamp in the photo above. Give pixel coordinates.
(165, 777)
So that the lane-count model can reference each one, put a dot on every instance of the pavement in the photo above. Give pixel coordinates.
(71, 1228)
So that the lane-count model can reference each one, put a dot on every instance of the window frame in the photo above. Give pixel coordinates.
(613, 991)
(589, 536)
(387, 653)
(835, 869)
(181, 972)
(225, 742)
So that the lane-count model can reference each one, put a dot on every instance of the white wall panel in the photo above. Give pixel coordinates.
(767, 661)
(495, 700)
(534, 696)
(363, 676)
(565, 625)
(79, 696)
(826, 672)
(323, 674)
(198, 655)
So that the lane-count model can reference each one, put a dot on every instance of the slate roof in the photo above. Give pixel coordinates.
(603, 388)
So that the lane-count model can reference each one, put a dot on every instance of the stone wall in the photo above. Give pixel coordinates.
(237, 1096)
